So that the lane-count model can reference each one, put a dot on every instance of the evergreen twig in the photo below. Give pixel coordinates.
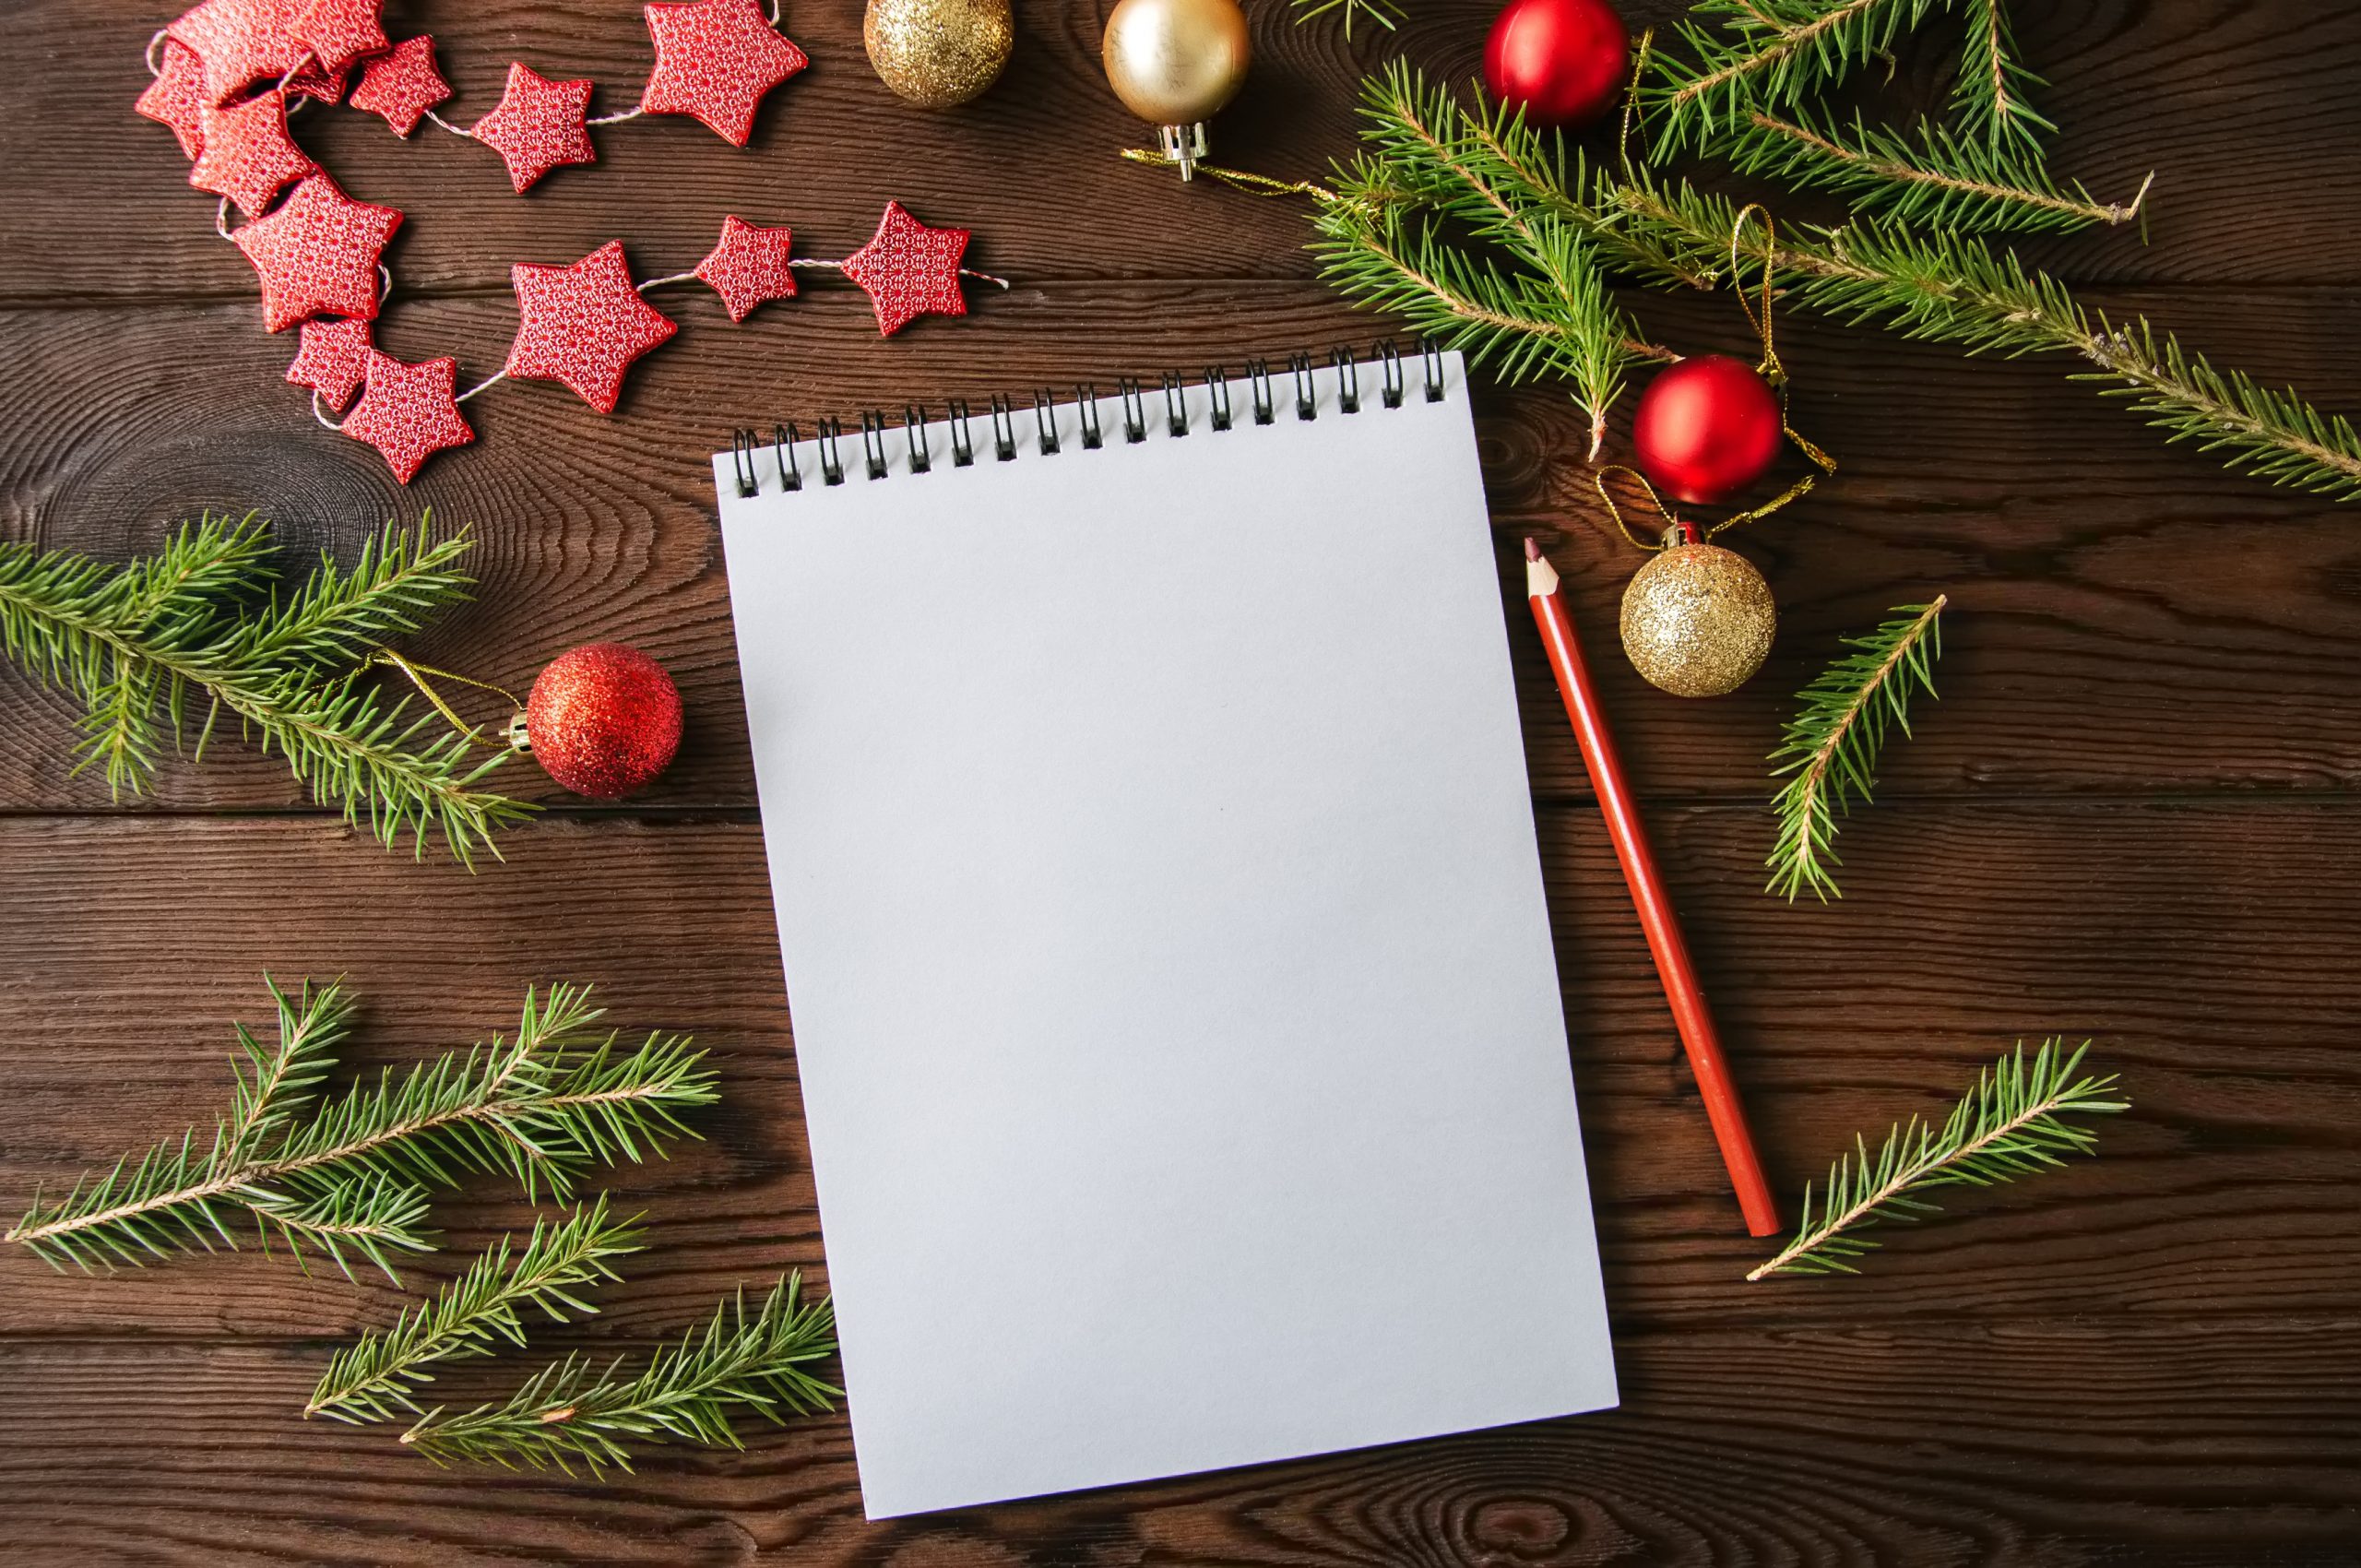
(2009, 1125)
(1764, 54)
(373, 1378)
(577, 1411)
(1832, 744)
(1385, 13)
(355, 1174)
(1991, 94)
(197, 622)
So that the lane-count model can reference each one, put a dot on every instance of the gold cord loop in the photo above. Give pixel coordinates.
(472, 733)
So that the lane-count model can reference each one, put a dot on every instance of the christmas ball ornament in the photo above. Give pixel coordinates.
(1706, 428)
(603, 720)
(1561, 61)
(938, 53)
(1698, 620)
(1174, 63)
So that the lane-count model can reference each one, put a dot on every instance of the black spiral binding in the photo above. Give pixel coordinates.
(1303, 371)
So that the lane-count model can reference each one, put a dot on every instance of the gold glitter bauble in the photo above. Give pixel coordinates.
(1176, 61)
(1696, 621)
(938, 53)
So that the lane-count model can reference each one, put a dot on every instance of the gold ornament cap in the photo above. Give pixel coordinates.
(1698, 620)
(938, 53)
(1174, 63)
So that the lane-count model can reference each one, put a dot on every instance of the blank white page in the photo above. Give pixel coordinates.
(1172, 989)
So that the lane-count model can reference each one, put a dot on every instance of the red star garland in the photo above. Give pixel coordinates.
(338, 32)
(909, 270)
(240, 43)
(317, 253)
(176, 98)
(537, 126)
(402, 84)
(716, 59)
(333, 360)
(583, 324)
(407, 411)
(751, 265)
(309, 80)
(248, 156)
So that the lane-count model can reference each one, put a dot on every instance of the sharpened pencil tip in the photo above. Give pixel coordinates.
(1531, 551)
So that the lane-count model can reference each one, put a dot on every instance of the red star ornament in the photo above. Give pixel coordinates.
(716, 59)
(240, 43)
(751, 265)
(317, 253)
(407, 411)
(537, 126)
(583, 324)
(402, 84)
(333, 360)
(176, 98)
(248, 156)
(909, 270)
(337, 33)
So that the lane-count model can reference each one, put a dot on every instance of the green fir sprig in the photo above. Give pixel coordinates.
(201, 625)
(579, 1412)
(373, 1379)
(352, 1173)
(1993, 94)
(1830, 754)
(1385, 13)
(2011, 1124)
(1743, 54)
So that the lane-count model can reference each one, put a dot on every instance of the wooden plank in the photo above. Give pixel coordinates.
(2125, 615)
(2180, 1441)
(2217, 97)
(2198, 944)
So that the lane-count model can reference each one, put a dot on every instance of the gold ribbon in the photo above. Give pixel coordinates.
(472, 733)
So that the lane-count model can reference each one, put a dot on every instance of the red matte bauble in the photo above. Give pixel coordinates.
(603, 719)
(1706, 428)
(1561, 61)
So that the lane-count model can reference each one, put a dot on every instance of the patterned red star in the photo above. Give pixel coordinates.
(749, 265)
(176, 98)
(583, 324)
(310, 80)
(537, 126)
(909, 269)
(248, 156)
(318, 255)
(402, 85)
(407, 411)
(240, 43)
(338, 32)
(333, 360)
(716, 59)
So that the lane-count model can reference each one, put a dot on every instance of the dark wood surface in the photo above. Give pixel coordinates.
(2132, 818)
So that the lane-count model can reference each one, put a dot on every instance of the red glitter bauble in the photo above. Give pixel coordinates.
(1706, 428)
(1561, 61)
(603, 720)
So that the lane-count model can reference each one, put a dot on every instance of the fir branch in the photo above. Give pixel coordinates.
(2009, 1126)
(1937, 180)
(1385, 13)
(1991, 97)
(372, 1379)
(185, 623)
(1833, 742)
(1764, 54)
(541, 1108)
(575, 1411)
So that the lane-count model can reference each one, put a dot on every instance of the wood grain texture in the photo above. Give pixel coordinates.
(2134, 817)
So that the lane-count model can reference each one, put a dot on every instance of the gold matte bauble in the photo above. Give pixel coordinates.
(938, 53)
(1697, 620)
(1176, 61)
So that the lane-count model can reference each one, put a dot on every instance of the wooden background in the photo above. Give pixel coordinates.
(2132, 818)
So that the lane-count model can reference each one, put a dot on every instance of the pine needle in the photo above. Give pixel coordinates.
(576, 1411)
(1385, 13)
(1832, 744)
(353, 1176)
(372, 1379)
(2009, 1126)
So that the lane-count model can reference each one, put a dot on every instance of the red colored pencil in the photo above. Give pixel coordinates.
(1656, 919)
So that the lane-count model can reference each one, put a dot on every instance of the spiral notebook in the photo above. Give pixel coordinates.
(1172, 988)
